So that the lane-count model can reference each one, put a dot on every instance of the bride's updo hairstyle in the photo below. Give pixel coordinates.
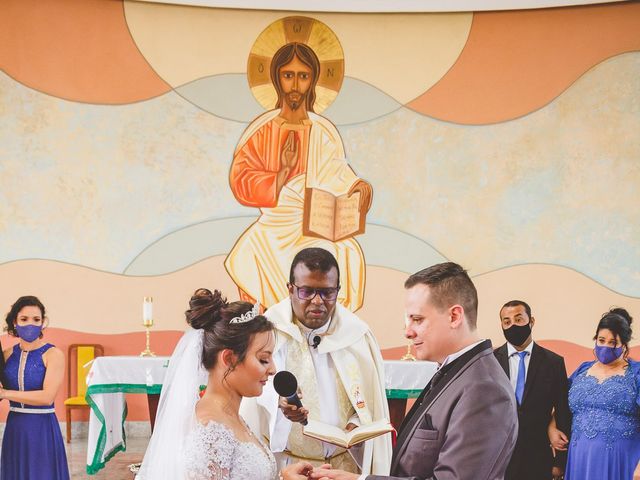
(212, 313)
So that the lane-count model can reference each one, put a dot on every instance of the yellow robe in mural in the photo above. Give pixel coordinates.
(260, 260)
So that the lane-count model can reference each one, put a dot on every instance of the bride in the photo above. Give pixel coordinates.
(229, 348)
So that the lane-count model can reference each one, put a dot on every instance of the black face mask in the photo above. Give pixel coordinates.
(517, 334)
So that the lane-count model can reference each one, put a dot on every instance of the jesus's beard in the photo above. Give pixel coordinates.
(294, 99)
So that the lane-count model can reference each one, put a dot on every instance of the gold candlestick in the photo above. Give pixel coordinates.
(147, 351)
(408, 356)
(147, 322)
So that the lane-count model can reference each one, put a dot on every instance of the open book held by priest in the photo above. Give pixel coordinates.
(337, 436)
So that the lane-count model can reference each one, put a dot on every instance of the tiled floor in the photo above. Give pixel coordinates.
(116, 469)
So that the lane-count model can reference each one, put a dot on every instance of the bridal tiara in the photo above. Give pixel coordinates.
(247, 317)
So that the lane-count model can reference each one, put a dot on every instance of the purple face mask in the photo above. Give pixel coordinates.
(608, 354)
(29, 333)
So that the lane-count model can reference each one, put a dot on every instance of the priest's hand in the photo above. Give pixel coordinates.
(350, 426)
(291, 412)
(366, 194)
(296, 471)
(326, 473)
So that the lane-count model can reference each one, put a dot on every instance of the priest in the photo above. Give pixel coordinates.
(339, 369)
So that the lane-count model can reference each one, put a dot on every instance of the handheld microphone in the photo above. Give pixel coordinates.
(316, 341)
(286, 386)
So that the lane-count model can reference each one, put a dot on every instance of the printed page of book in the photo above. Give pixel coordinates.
(337, 436)
(366, 432)
(325, 432)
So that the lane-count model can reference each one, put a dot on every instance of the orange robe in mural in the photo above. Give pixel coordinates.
(260, 260)
(257, 162)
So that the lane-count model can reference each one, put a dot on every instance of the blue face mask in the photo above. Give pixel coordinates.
(608, 354)
(29, 333)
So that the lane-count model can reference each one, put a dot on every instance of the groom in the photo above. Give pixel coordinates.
(464, 424)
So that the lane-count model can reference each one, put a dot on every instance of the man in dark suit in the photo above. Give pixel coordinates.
(539, 379)
(463, 425)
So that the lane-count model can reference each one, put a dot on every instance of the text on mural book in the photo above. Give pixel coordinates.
(332, 217)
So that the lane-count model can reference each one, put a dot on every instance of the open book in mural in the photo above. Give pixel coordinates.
(332, 217)
(290, 163)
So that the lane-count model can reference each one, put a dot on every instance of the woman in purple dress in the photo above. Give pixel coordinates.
(32, 447)
(604, 397)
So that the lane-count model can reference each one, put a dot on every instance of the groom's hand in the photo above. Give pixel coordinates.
(296, 471)
(324, 473)
(291, 412)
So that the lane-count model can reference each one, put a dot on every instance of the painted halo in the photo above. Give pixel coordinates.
(315, 34)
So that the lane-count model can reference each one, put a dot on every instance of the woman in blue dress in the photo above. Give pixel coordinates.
(604, 397)
(32, 447)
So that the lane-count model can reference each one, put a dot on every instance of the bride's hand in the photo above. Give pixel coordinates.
(296, 471)
(327, 473)
(559, 441)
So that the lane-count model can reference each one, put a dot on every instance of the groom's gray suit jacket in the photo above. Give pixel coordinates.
(464, 428)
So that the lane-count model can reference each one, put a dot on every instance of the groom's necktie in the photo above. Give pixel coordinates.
(436, 378)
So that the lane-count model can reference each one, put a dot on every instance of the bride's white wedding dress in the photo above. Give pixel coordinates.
(212, 452)
(181, 448)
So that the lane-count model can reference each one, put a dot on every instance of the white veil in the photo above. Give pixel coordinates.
(164, 458)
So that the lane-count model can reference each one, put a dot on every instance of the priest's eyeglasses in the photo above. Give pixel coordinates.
(308, 293)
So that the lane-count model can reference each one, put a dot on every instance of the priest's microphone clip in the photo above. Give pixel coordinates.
(316, 341)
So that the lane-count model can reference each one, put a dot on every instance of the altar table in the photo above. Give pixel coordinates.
(111, 377)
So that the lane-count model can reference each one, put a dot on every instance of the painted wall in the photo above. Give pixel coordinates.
(504, 141)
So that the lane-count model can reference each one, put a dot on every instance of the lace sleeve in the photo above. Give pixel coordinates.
(209, 452)
(581, 368)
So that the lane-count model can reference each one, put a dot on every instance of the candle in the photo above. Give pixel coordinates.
(147, 312)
